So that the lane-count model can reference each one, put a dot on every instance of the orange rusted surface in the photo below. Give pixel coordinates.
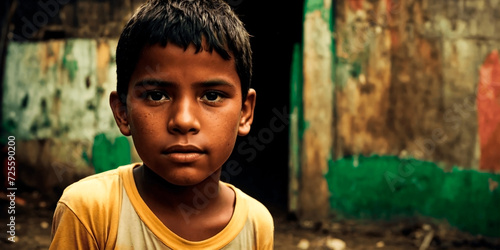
(488, 107)
(356, 4)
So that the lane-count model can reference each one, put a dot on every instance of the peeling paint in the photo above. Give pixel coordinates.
(356, 4)
(296, 129)
(488, 105)
(405, 76)
(69, 62)
(50, 90)
(317, 95)
(55, 100)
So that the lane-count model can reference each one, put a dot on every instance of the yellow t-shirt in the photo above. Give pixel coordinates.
(105, 211)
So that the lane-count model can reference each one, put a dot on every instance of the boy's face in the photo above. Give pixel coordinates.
(184, 112)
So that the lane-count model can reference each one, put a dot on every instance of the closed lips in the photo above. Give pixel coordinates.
(183, 149)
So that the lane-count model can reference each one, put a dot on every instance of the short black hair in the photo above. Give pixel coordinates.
(184, 22)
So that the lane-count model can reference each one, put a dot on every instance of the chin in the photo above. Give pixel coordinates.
(186, 178)
(183, 183)
(181, 175)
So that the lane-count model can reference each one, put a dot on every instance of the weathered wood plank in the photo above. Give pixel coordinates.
(318, 110)
(295, 131)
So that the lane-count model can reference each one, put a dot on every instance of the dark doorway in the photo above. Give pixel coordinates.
(275, 27)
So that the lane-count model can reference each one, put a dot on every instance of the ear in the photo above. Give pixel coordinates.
(247, 111)
(120, 113)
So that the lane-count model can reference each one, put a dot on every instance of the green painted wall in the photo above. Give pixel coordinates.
(56, 101)
(385, 187)
(52, 89)
(108, 154)
(403, 87)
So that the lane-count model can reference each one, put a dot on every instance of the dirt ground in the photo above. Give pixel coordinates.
(34, 215)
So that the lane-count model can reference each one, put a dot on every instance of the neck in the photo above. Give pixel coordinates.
(173, 197)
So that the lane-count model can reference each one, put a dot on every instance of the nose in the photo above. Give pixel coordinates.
(183, 118)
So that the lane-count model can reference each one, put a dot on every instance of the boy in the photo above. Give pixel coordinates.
(184, 70)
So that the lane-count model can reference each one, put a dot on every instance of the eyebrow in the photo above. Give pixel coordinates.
(214, 83)
(153, 83)
(204, 84)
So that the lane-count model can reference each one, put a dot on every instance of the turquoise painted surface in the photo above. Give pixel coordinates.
(319, 5)
(313, 5)
(385, 187)
(296, 127)
(107, 155)
(68, 61)
(296, 92)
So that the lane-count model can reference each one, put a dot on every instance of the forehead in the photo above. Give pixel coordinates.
(156, 61)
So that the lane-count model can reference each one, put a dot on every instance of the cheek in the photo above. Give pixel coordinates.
(144, 124)
(224, 129)
(231, 131)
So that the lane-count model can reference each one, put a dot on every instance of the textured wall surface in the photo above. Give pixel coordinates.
(414, 119)
(42, 20)
(488, 107)
(55, 101)
(408, 76)
(59, 89)
(317, 102)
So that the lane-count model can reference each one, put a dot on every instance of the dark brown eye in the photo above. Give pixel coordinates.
(212, 96)
(156, 96)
